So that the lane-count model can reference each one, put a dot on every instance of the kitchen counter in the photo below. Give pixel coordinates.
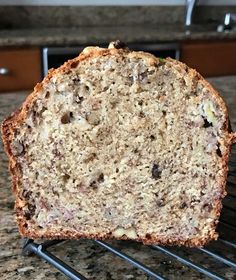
(84, 255)
(99, 35)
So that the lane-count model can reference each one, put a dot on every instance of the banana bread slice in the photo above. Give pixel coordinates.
(120, 144)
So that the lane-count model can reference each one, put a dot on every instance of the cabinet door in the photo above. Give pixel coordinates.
(217, 58)
(20, 69)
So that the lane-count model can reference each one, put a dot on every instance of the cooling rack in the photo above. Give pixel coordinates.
(227, 221)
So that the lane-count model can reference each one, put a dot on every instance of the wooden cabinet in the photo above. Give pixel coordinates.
(210, 58)
(20, 69)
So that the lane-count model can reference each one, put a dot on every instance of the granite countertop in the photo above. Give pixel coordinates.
(99, 35)
(92, 261)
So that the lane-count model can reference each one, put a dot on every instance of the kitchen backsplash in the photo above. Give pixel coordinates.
(21, 17)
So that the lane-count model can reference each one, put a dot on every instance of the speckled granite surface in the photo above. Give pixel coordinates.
(81, 25)
(84, 255)
(98, 35)
(22, 17)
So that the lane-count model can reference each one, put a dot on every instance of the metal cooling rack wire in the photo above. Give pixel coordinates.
(41, 250)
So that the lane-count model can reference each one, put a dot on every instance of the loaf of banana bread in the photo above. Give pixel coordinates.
(120, 144)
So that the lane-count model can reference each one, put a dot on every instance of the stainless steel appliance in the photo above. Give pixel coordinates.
(53, 57)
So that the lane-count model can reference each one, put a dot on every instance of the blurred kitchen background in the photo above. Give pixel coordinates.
(37, 35)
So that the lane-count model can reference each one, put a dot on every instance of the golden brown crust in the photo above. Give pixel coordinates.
(66, 234)
(18, 117)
